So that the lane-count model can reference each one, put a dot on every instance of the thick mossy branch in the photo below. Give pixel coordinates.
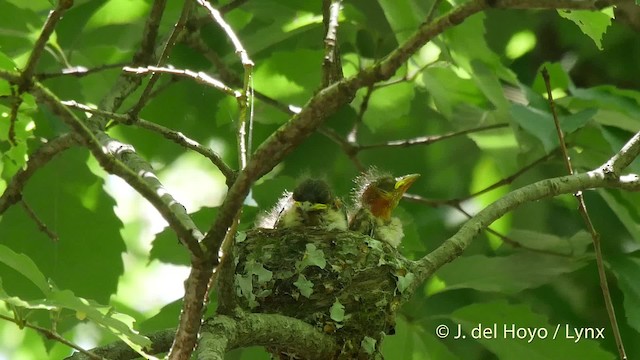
(343, 283)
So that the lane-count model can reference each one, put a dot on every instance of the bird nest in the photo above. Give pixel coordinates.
(344, 283)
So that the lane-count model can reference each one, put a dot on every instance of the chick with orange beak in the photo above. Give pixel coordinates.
(376, 197)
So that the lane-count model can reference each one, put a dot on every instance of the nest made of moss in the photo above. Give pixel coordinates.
(344, 283)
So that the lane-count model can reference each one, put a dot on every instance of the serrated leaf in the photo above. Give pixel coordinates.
(506, 347)
(507, 274)
(592, 23)
(337, 311)
(305, 286)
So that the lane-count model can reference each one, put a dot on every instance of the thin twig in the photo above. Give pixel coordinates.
(145, 54)
(199, 77)
(348, 148)
(353, 134)
(215, 14)
(78, 71)
(52, 335)
(13, 117)
(41, 225)
(428, 140)
(509, 179)
(49, 26)
(166, 51)
(595, 236)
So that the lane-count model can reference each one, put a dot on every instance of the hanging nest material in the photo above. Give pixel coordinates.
(345, 284)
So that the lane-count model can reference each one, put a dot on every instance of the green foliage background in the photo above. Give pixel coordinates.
(478, 73)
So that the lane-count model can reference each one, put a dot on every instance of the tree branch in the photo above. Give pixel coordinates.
(331, 64)
(49, 26)
(222, 333)
(199, 77)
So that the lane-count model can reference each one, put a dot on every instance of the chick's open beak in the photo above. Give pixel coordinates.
(403, 183)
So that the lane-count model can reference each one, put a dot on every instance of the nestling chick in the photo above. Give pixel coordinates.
(376, 197)
(312, 203)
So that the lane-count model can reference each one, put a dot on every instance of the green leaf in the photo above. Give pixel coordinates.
(559, 78)
(387, 105)
(166, 247)
(337, 311)
(244, 288)
(289, 76)
(485, 174)
(368, 344)
(576, 245)
(403, 17)
(592, 23)
(500, 315)
(508, 274)
(488, 82)
(626, 269)
(118, 12)
(625, 206)
(541, 125)
(415, 340)
(25, 266)
(467, 44)
(450, 91)
(405, 281)
(305, 286)
(69, 199)
(312, 257)
(263, 274)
